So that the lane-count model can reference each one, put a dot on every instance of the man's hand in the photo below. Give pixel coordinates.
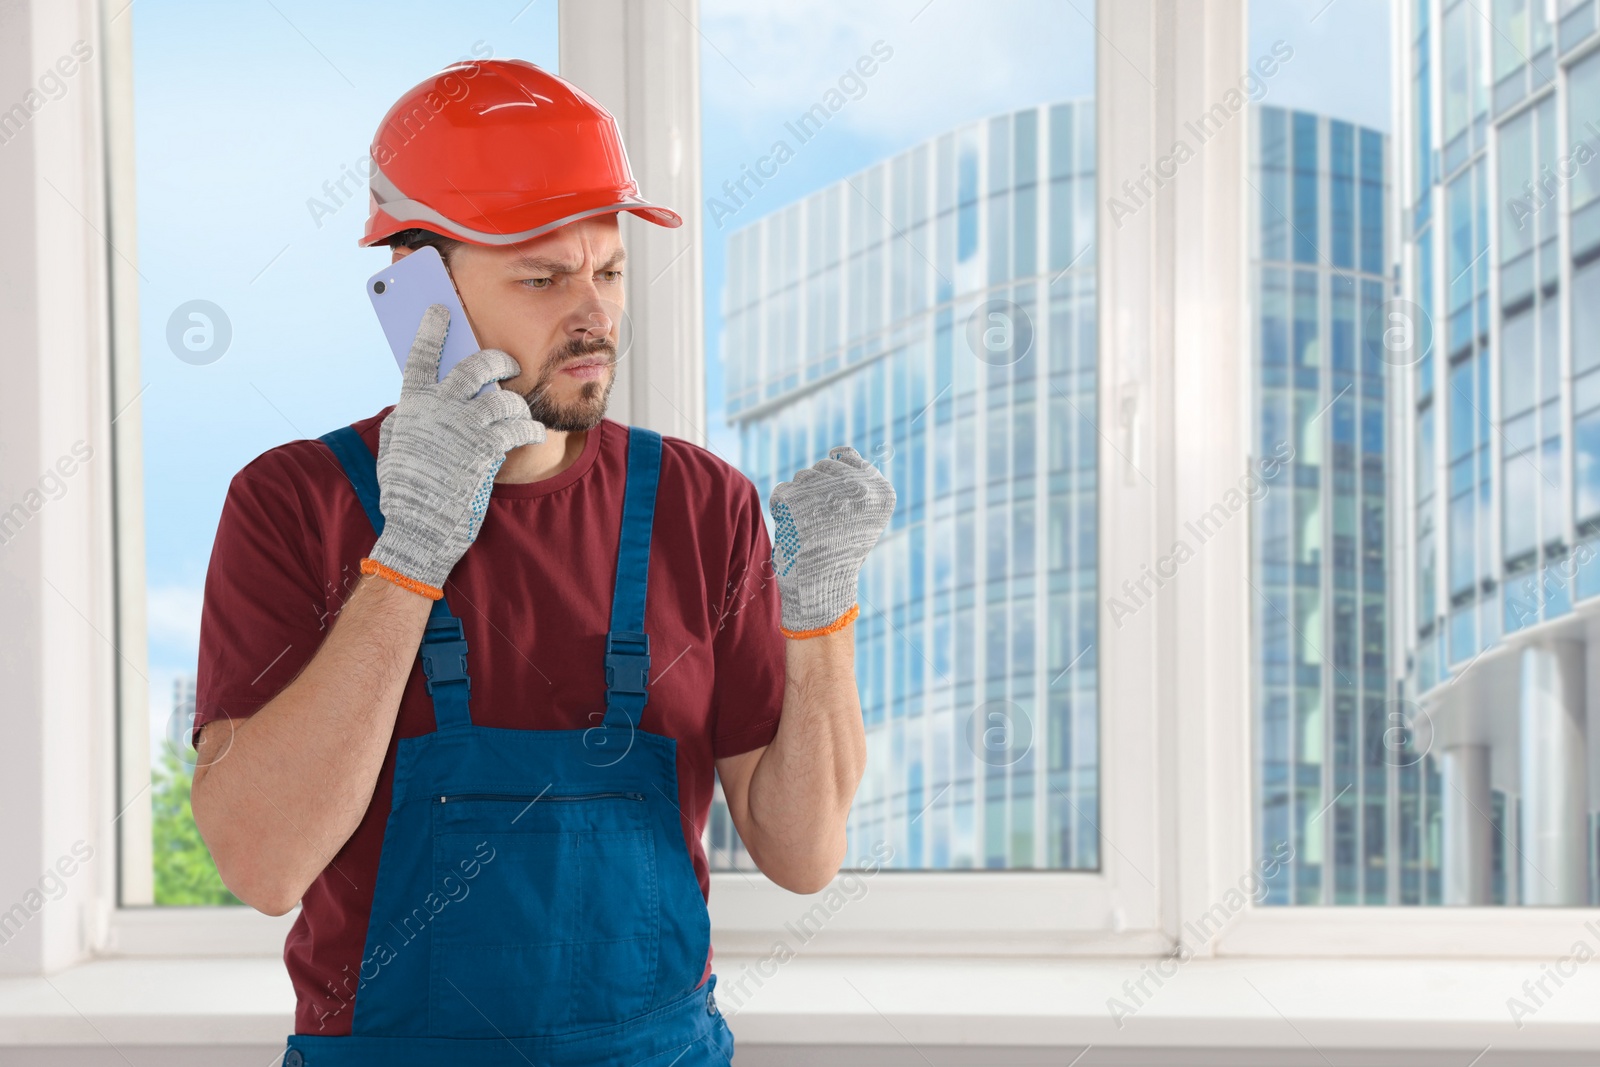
(825, 523)
(439, 450)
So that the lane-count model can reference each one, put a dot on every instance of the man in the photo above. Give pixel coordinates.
(497, 849)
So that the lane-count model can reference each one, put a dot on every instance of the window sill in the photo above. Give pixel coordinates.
(1307, 1006)
(1303, 1005)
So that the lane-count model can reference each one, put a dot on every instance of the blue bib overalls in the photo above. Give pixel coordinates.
(535, 901)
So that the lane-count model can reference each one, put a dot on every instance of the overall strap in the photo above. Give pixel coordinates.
(444, 647)
(627, 645)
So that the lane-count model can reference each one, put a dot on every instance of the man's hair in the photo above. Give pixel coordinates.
(419, 238)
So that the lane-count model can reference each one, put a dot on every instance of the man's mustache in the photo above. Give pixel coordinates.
(572, 350)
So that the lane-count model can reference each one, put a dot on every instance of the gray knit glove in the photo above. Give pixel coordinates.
(439, 450)
(824, 524)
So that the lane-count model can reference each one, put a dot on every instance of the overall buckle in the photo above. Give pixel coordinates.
(627, 661)
(444, 653)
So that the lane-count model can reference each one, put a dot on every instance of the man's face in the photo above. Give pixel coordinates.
(555, 304)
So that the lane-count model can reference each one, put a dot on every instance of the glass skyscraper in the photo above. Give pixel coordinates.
(1339, 780)
(937, 311)
(1500, 504)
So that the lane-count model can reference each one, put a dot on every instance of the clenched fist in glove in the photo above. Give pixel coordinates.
(825, 523)
(438, 452)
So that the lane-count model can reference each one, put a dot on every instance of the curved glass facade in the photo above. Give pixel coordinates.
(1500, 511)
(1356, 813)
(937, 311)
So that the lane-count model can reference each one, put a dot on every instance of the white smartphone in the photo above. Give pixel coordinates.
(401, 294)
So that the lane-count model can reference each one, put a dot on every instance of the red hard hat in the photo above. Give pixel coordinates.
(498, 151)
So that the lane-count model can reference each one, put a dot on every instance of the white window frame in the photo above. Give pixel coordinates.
(1175, 408)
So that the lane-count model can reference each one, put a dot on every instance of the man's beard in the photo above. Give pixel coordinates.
(583, 413)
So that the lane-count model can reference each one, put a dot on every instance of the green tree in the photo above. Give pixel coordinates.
(184, 872)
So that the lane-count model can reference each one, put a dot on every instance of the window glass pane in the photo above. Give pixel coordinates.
(1511, 29)
(1583, 115)
(1425, 454)
(252, 127)
(960, 213)
(1273, 138)
(1586, 318)
(1480, 33)
(1518, 369)
(1341, 183)
(1306, 187)
(1518, 200)
(1456, 90)
(1422, 117)
(1373, 192)
(1552, 170)
(1550, 358)
(1463, 419)
(1538, 29)
(1463, 563)
(1460, 262)
(1521, 504)
(1586, 461)
(1552, 508)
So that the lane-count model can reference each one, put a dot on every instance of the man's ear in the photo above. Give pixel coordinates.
(401, 252)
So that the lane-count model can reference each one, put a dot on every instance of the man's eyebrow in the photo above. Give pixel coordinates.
(545, 265)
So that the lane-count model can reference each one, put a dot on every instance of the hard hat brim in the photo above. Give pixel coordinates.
(385, 225)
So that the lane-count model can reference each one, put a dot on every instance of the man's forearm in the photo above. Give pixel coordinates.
(801, 790)
(277, 794)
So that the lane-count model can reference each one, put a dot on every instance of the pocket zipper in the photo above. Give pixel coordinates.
(541, 796)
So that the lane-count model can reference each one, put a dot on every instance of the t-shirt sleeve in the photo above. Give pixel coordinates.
(748, 646)
(266, 609)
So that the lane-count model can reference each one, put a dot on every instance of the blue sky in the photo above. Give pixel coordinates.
(244, 111)
(1341, 56)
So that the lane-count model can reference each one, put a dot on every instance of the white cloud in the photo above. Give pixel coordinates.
(1341, 57)
(953, 62)
(174, 615)
(958, 61)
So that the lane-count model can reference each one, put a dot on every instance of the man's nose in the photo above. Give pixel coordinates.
(593, 322)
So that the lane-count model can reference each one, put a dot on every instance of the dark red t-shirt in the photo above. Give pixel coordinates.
(534, 596)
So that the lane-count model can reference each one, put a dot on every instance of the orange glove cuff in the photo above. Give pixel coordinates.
(372, 566)
(837, 624)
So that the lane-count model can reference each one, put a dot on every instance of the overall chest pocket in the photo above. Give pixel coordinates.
(560, 928)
